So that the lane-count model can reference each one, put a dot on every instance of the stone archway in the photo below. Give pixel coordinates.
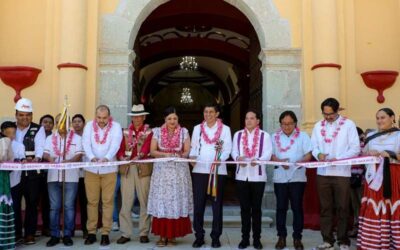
(280, 63)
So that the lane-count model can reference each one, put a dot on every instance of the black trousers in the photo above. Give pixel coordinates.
(250, 196)
(81, 196)
(200, 184)
(292, 192)
(29, 188)
(44, 201)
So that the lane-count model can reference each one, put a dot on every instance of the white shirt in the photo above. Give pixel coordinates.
(249, 173)
(71, 175)
(19, 153)
(206, 152)
(389, 141)
(107, 150)
(296, 152)
(345, 145)
(40, 139)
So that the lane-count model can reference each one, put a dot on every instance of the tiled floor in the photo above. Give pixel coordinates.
(230, 240)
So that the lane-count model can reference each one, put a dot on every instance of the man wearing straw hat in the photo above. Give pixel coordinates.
(135, 145)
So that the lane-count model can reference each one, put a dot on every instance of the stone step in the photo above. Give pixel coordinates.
(230, 221)
(235, 221)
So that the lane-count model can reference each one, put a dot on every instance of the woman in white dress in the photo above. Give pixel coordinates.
(170, 198)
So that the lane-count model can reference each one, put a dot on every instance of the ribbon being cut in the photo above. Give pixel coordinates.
(70, 165)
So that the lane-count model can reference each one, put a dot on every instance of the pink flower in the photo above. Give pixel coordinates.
(247, 152)
(96, 131)
(217, 134)
(292, 141)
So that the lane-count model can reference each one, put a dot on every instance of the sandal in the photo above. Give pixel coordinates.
(171, 242)
(161, 242)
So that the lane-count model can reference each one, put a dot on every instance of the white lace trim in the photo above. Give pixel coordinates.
(7, 200)
(381, 205)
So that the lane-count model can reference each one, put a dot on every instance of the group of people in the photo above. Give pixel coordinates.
(169, 191)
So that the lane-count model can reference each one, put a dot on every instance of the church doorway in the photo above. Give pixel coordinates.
(225, 47)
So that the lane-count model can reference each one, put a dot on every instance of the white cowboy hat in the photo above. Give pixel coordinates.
(138, 110)
(24, 105)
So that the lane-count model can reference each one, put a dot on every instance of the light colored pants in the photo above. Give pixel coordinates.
(96, 184)
(129, 184)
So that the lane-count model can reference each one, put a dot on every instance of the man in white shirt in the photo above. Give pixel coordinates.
(205, 137)
(101, 140)
(290, 145)
(334, 138)
(62, 184)
(33, 137)
(249, 144)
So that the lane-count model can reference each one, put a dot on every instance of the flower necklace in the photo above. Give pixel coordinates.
(167, 141)
(96, 131)
(335, 133)
(216, 135)
(278, 142)
(247, 152)
(132, 140)
(67, 147)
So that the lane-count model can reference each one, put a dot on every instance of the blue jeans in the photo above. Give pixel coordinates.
(55, 196)
(293, 192)
(117, 188)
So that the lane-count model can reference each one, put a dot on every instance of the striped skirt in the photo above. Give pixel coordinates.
(7, 228)
(379, 221)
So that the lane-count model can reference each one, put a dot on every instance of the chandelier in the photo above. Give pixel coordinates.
(186, 96)
(188, 63)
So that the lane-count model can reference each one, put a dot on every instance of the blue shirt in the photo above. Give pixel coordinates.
(301, 146)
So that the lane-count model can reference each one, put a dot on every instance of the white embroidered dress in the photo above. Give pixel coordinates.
(170, 193)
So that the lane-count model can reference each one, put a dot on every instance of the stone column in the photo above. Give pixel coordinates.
(281, 73)
(325, 52)
(116, 72)
(72, 78)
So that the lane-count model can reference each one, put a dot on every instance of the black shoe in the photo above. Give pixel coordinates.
(281, 244)
(144, 239)
(123, 240)
(29, 240)
(67, 241)
(297, 244)
(257, 244)
(91, 238)
(53, 241)
(198, 243)
(216, 243)
(105, 241)
(244, 244)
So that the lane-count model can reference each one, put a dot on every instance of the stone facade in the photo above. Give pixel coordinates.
(280, 69)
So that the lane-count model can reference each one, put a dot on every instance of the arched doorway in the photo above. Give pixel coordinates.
(280, 64)
(225, 46)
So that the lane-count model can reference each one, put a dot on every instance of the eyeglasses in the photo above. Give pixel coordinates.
(288, 124)
(329, 114)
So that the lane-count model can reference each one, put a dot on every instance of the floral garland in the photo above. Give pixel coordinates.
(132, 141)
(96, 131)
(167, 141)
(247, 152)
(67, 147)
(216, 135)
(335, 133)
(278, 142)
